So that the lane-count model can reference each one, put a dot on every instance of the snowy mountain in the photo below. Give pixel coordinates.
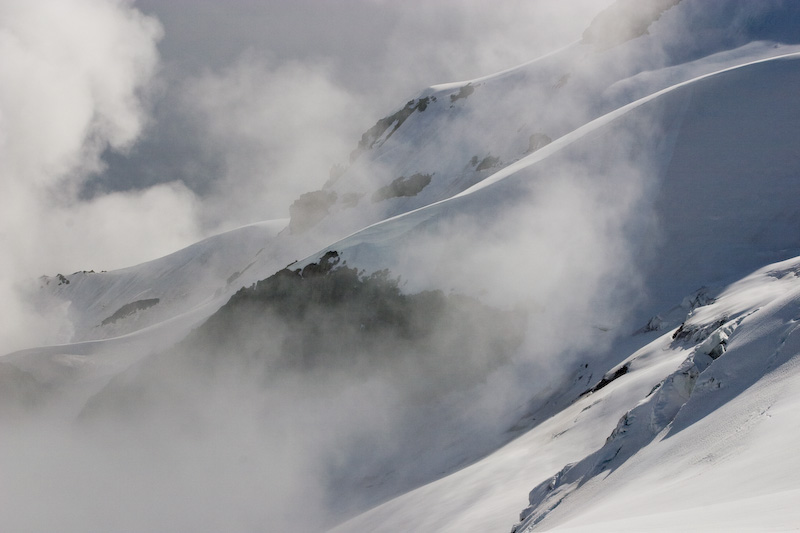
(563, 296)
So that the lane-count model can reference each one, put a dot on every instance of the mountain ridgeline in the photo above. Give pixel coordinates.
(330, 319)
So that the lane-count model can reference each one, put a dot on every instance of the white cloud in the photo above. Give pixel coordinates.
(77, 78)
(73, 83)
(277, 129)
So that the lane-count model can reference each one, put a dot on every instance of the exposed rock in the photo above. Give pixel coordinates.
(464, 92)
(129, 309)
(403, 186)
(562, 81)
(236, 275)
(326, 264)
(608, 378)
(385, 127)
(656, 323)
(328, 317)
(537, 141)
(696, 333)
(488, 162)
(699, 298)
(310, 208)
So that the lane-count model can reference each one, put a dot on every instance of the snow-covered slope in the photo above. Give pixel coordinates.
(709, 206)
(680, 431)
(718, 431)
(623, 196)
(447, 139)
(103, 304)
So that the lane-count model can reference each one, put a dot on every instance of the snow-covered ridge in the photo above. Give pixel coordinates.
(166, 287)
(674, 196)
(626, 198)
(438, 143)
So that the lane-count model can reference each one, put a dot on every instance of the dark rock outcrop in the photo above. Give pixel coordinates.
(129, 309)
(309, 209)
(403, 186)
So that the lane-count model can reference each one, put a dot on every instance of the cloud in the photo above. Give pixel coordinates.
(271, 124)
(74, 83)
(72, 76)
(256, 111)
(235, 136)
(277, 130)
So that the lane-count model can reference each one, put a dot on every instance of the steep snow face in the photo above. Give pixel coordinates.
(719, 428)
(690, 429)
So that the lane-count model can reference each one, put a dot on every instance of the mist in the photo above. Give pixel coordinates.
(126, 136)
(146, 126)
(276, 94)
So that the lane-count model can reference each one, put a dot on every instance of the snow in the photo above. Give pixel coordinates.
(682, 284)
(693, 470)
(182, 281)
(703, 199)
(730, 471)
(721, 427)
(483, 496)
(188, 278)
(776, 511)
